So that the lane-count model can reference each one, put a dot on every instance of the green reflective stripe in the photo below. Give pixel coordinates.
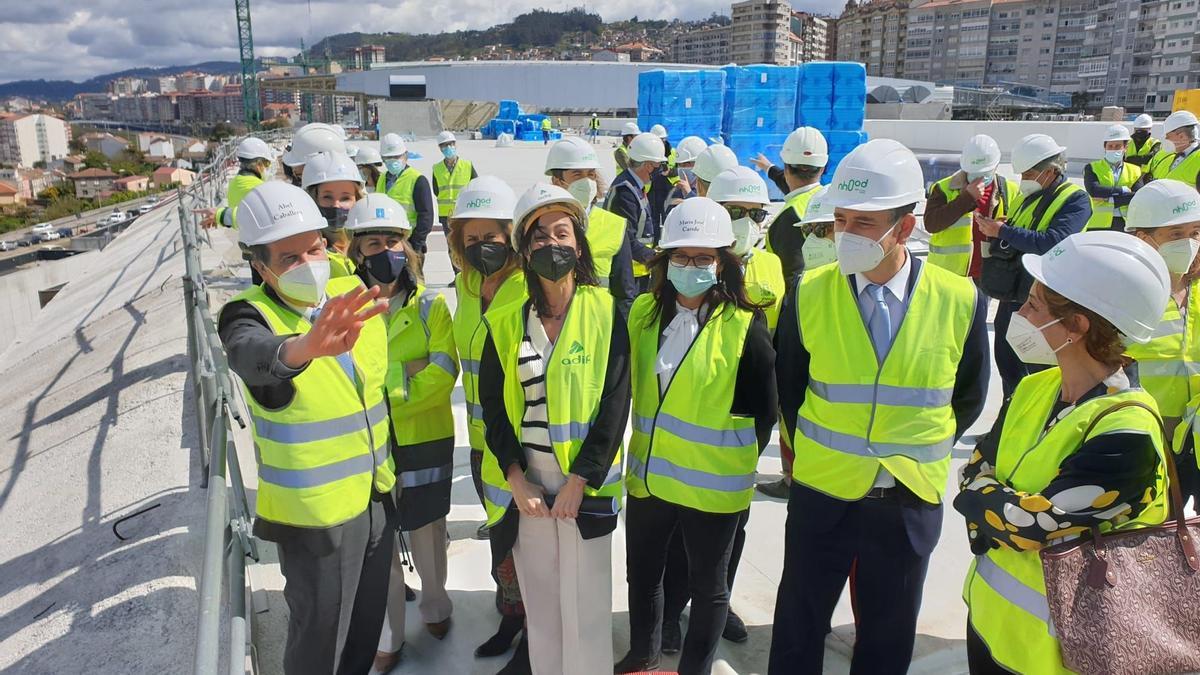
(1168, 328)
(882, 394)
(950, 250)
(444, 361)
(312, 432)
(855, 445)
(323, 475)
(700, 479)
(1013, 590)
(571, 431)
(723, 438)
(498, 496)
(470, 366)
(420, 477)
(1168, 368)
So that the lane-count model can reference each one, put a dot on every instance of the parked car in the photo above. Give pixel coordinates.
(47, 236)
(145, 208)
(41, 228)
(132, 213)
(153, 199)
(66, 232)
(25, 241)
(7, 245)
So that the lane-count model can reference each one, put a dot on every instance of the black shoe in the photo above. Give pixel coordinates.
(672, 637)
(735, 629)
(779, 489)
(635, 664)
(502, 641)
(519, 663)
(482, 533)
(409, 593)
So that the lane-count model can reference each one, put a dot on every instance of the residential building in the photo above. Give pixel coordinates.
(169, 175)
(30, 182)
(761, 32)
(126, 86)
(161, 85)
(609, 55)
(706, 46)
(365, 55)
(10, 196)
(131, 184)
(639, 51)
(110, 146)
(1175, 54)
(811, 33)
(26, 139)
(947, 41)
(288, 111)
(91, 183)
(831, 24)
(874, 33)
(95, 106)
(160, 148)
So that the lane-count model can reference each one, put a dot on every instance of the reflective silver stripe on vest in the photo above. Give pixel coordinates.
(614, 475)
(855, 445)
(470, 366)
(312, 432)
(420, 477)
(604, 283)
(701, 479)
(445, 362)
(884, 394)
(722, 438)
(950, 250)
(565, 433)
(498, 496)
(1014, 590)
(425, 303)
(1168, 328)
(475, 411)
(635, 466)
(1167, 368)
(323, 475)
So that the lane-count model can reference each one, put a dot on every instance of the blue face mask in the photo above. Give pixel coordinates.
(692, 281)
(987, 178)
(394, 166)
(1114, 156)
(449, 152)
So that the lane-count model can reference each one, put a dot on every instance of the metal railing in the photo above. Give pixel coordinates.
(227, 538)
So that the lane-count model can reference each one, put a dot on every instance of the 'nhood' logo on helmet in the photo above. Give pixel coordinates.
(479, 203)
(854, 185)
(1184, 207)
(979, 162)
(750, 189)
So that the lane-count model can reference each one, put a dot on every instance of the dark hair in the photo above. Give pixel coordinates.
(730, 287)
(257, 252)
(585, 269)
(1102, 339)
(804, 171)
(901, 211)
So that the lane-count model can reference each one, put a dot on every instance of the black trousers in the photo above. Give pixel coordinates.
(889, 540)
(336, 591)
(708, 543)
(675, 578)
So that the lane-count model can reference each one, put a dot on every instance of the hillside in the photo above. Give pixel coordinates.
(62, 90)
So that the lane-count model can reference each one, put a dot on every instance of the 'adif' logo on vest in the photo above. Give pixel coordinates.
(1184, 207)
(479, 203)
(854, 185)
(576, 355)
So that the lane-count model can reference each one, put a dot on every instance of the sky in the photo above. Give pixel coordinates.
(73, 40)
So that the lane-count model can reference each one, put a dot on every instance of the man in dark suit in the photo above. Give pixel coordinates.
(882, 364)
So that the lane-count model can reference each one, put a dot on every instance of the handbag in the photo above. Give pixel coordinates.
(1129, 601)
(1002, 276)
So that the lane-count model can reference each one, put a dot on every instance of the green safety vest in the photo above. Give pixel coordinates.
(470, 335)
(798, 203)
(239, 187)
(402, 191)
(450, 184)
(1188, 169)
(1160, 164)
(1103, 209)
(1147, 151)
(621, 157)
(687, 447)
(1169, 365)
(951, 249)
(319, 455)
(420, 404)
(859, 414)
(595, 123)
(1024, 210)
(340, 265)
(546, 124)
(764, 283)
(605, 234)
(574, 382)
(1005, 589)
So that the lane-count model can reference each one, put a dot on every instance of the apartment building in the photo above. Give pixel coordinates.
(706, 46)
(1174, 54)
(811, 33)
(29, 138)
(947, 41)
(874, 34)
(761, 32)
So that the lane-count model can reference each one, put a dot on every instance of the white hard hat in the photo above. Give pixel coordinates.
(981, 154)
(545, 194)
(276, 210)
(806, 146)
(392, 146)
(689, 148)
(1143, 121)
(1033, 149)
(877, 175)
(327, 167)
(698, 221)
(351, 151)
(254, 148)
(367, 155)
(571, 153)
(311, 139)
(819, 210)
(630, 129)
(1178, 120)
(377, 213)
(1163, 203)
(739, 184)
(647, 148)
(341, 130)
(712, 161)
(485, 197)
(1119, 277)
(1117, 132)
(446, 137)
(659, 130)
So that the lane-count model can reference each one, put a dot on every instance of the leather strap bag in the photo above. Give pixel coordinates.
(1129, 601)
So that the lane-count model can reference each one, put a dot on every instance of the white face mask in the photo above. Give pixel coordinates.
(1029, 187)
(1030, 344)
(818, 251)
(584, 191)
(1179, 254)
(304, 283)
(856, 253)
(745, 231)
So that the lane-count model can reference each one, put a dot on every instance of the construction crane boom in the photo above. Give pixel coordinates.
(250, 107)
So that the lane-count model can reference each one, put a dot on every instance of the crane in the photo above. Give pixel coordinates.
(250, 106)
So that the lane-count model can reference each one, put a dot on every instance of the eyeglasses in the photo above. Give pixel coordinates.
(818, 229)
(757, 215)
(680, 259)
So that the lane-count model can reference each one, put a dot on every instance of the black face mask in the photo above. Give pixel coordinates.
(487, 256)
(386, 266)
(553, 262)
(1141, 135)
(335, 217)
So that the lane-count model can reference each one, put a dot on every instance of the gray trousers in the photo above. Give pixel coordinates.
(335, 585)
(428, 552)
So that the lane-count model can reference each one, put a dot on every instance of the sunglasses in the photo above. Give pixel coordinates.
(756, 214)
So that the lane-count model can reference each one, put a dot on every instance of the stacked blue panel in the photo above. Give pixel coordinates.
(748, 146)
(833, 99)
(760, 99)
(686, 102)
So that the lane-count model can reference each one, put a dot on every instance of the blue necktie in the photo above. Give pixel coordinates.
(344, 359)
(880, 324)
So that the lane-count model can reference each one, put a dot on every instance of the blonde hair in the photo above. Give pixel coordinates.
(458, 248)
(360, 192)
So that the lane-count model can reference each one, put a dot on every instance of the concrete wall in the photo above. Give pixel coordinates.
(19, 304)
(421, 119)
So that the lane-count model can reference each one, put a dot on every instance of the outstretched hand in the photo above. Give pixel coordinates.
(336, 329)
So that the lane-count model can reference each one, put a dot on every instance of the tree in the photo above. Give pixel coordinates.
(95, 159)
(1079, 101)
(51, 193)
(221, 131)
(77, 146)
(276, 123)
(40, 164)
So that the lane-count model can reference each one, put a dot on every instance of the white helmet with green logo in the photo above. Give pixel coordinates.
(1163, 203)
(878, 175)
(485, 197)
(739, 184)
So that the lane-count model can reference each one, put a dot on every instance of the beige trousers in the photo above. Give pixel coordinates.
(568, 605)
(428, 553)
